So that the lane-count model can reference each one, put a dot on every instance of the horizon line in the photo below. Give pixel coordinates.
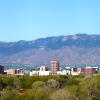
(7, 41)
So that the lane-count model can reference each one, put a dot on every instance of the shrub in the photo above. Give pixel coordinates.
(38, 84)
(53, 84)
(61, 95)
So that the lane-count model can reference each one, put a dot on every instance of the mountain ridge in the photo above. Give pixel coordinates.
(70, 49)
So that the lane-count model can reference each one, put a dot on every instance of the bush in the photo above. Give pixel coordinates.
(61, 95)
(38, 84)
(10, 95)
(36, 94)
(51, 83)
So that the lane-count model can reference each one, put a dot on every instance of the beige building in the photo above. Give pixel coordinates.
(43, 68)
(11, 71)
(98, 70)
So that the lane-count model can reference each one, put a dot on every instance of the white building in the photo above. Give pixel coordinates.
(64, 72)
(40, 73)
(76, 71)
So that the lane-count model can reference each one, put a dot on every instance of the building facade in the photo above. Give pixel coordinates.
(43, 68)
(11, 71)
(54, 67)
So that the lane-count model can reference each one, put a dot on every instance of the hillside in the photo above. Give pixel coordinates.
(71, 49)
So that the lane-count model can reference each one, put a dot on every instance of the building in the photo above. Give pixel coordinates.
(43, 73)
(40, 73)
(19, 72)
(84, 70)
(74, 71)
(77, 70)
(43, 68)
(54, 67)
(98, 70)
(11, 71)
(63, 72)
(90, 70)
(1, 69)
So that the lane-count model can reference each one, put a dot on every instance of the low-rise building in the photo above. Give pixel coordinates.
(84, 70)
(40, 73)
(90, 70)
(76, 71)
(63, 72)
(98, 70)
(43, 68)
(11, 71)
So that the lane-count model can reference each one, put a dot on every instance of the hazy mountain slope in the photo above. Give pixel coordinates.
(72, 49)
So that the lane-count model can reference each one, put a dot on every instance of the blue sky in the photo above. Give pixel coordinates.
(32, 19)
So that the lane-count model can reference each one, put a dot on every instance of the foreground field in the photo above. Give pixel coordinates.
(50, 88)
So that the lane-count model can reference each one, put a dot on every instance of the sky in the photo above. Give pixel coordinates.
(32, 19)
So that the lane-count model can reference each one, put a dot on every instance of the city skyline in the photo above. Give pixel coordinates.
(30, 19)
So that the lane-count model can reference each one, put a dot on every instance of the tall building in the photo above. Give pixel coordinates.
(54, 67)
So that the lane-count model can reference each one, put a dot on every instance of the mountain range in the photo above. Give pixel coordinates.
(69, 49)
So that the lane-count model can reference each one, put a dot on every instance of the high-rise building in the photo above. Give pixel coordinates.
(54, 67)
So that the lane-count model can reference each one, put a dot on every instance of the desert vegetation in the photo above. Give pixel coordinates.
(50, 87)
